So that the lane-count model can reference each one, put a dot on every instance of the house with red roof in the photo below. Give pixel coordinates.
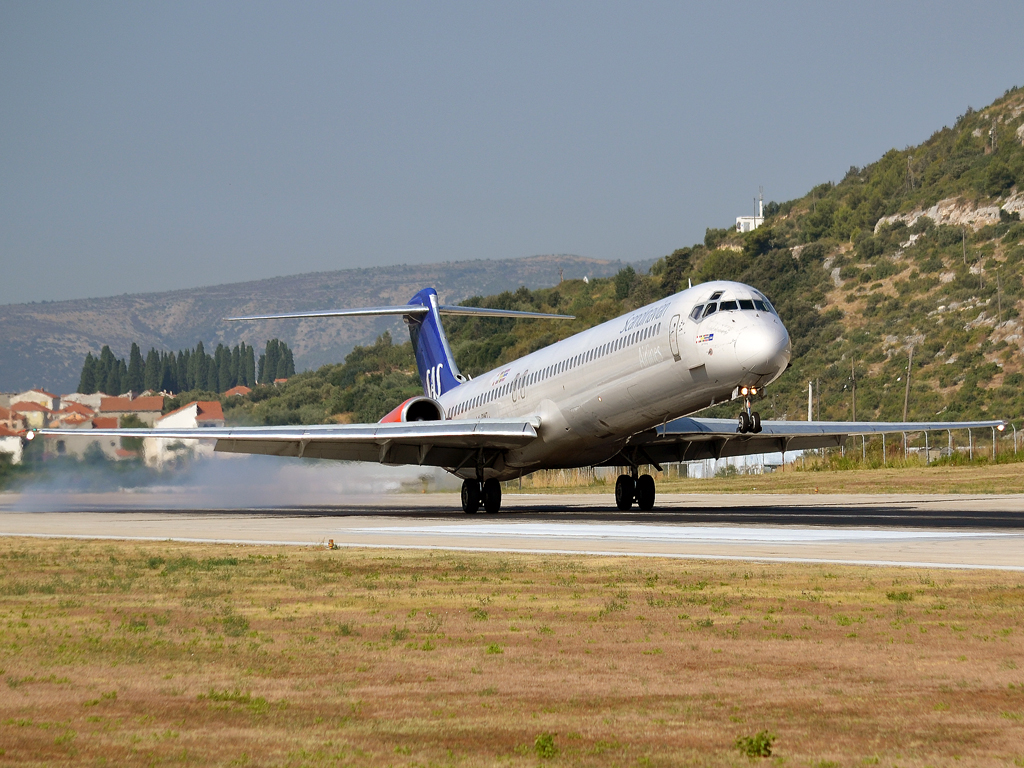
(35, 415)
(239, 391)
(11, 420)
(148, 409)
(46, 399)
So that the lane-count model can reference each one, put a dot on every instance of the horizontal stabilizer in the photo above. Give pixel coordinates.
(407, 310)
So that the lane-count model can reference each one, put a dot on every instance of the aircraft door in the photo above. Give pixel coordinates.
(673, 337)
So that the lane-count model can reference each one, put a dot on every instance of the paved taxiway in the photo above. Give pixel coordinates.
(918, 530)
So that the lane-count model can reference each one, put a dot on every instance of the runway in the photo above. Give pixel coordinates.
(906, 530)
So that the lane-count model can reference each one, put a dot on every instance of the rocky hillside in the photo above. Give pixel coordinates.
(921, 250)
(43, 344)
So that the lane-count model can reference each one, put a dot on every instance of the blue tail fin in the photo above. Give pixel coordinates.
(438, 371)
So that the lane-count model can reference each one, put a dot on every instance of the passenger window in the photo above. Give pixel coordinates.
(746, 304)
(710, 309)
(728, 306)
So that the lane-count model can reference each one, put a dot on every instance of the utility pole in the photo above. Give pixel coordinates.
(999, 295)
(963, 242)
(906, 393)
(810, 401)
(853, 378)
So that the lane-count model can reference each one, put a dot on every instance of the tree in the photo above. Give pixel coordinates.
(286, 367)
(152, 378)
(263, 369)
(250, 366)
(112, 384)
(131, 421)
(135, 381)
(224, 370)
(104, 364)
(197, 370)
(236, 364)
(273, 354)
(624, 281)
(87, 381)
(168, 373)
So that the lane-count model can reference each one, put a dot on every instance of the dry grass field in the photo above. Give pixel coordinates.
(911, 478)
(164, 654)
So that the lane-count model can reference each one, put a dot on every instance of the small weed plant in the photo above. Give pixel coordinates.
(758, 745)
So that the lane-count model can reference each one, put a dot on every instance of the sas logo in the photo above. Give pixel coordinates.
(704, 337)
(500, 377)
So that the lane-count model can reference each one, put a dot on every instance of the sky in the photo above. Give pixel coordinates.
(156, 146)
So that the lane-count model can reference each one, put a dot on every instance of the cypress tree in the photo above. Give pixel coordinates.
(198, 372)
(223, 369)
(151, 373)
(250, 367)
(210, 383)
(183, 358)
(273, 360)
(135, 381)
(112, 385)
(263, 369)
(236, 361)
(87, 381)
(168, 369)
(286, 368)
(103, 366)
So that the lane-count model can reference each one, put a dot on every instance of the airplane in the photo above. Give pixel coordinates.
(619, 394)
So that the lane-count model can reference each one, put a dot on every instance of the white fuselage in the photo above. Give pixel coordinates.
(594, 390)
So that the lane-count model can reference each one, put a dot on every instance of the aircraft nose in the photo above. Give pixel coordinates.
(764, 349)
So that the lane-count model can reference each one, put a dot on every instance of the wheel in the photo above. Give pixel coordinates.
(492, 495)
(755, 422)
(624, 490)
(470, 496)
(645, 492)
(743, 423)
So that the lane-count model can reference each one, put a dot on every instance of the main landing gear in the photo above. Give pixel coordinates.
(749, 421)
(640, 490)
(475, 493)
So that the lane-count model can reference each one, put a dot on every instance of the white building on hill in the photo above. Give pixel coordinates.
(749, 223)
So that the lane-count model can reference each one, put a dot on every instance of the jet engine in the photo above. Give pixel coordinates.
(418, 408)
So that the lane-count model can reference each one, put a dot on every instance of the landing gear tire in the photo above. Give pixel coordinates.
(743, 423)
(492, 496)
(645, 492)
(470, 496)
(625, 488)
(755, 422)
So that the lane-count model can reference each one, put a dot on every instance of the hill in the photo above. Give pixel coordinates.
(922, 250)
(44, 344)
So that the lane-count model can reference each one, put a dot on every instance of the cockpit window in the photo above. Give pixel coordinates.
(767, 304)
(726, 306)
(710, 309)
(695, 312)
(761, 305)
(746, 304)
(715, 296)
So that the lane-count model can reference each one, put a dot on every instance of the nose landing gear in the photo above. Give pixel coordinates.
(749, 421)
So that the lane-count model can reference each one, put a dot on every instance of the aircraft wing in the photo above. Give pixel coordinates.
(689, 439)
(431, 443)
